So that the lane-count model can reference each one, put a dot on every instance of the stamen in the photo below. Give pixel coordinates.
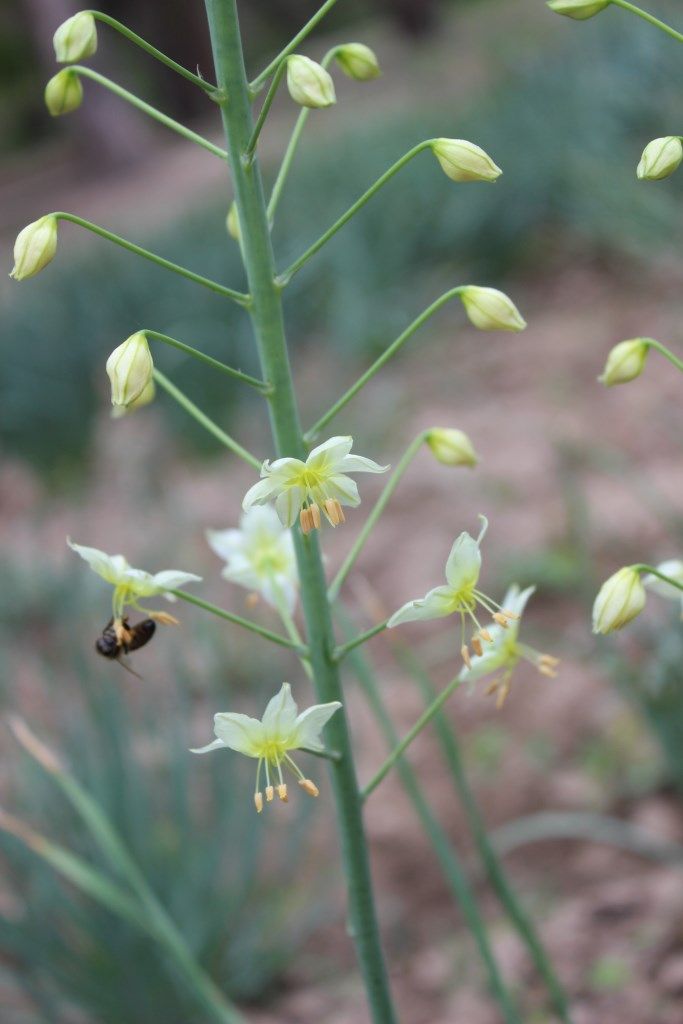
(502, 693)
(508, 614)
(548, 659)
(484, 633)
(476, 645)
(251, 600)
(309, 787)
(122, 634)
(334, 512)
(500, 618)
(258, 802)
(164, 618)
(270, 792)
(315, 516)
(546, 670)
(282, 792)
(465, 655)
(305, 520)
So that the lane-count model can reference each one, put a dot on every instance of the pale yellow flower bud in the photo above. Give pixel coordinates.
(35, 246)
(625, 362)
(463, 161)
(309, 83)
(579, 9)
(76, 38)
(491, 310)
(63, 93)
(660, 158)
(358, 61)
(129, 369)
(619, 600)
(451, 447)
(232, 222)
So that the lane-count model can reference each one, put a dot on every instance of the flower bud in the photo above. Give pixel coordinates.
(35, 246)
(232, 222)
(660, 158)
(308, 83)
(451, 447)
(76, 38)
(358, 61)
(625, 362)
(129, 368)
(579, 9)
(619, 600)
(491, 310)
(463, 161)
(63, 93)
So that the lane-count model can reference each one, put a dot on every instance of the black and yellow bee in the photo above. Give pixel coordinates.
(121, 638)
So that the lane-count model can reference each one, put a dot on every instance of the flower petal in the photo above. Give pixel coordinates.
(493, 657)
(239, 732)
(344, 489)
(214, 745)
(279, 717)
(109, 567)
(262, 491)
(329, 452)
(171, 579)
(225, 543)
(310, 723)
(464, 563)
(434, 605)
(359, 464)
(288, 504)
(673, 567)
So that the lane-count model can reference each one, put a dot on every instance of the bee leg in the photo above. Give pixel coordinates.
(132, 672)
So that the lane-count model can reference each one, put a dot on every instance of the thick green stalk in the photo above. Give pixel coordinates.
(275, 638)
(215, 364)
(267, 318)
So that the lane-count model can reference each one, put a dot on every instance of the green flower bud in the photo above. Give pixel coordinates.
(660, 158)
(451, 447)
(491, 310)
(232, 222)
(129, 369)
(579, 9)
(619, 600)
(35, 246)
(308, 83)
(625, 362)
(63, 93)
(463, 161)
(76, 38)
(358, 61)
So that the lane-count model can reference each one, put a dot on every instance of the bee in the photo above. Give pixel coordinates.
(121, 638)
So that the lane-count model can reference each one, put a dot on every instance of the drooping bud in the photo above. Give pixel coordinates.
(76, 38)
(660, 158)
(63, 93)
(625, 362)
(619, 600)
(232, 222)
(35, 246)
(463, 161)
(309, 83)
(491, 310)
(129, 369)
(358, 61)
(451, 447)
(579, 9)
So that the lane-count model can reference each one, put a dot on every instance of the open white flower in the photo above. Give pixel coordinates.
(260, 556)
(673, 568)
(505, 650)
(303, 488)
(460, 595)
(269, 740)
(132, 584)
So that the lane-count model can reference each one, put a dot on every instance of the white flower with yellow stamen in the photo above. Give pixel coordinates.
(132, 584)
(505, 650)
(673, 568)
(321, 482)
(460, 595)
(269, 740)
(260, 556)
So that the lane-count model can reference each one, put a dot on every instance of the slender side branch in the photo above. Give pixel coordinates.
(344, 649)
(667, 353)
(655, 572)
(146, 108)
(152, 51)
(204, 420)
(237, 620)
(649, 18)
(424, 719)
(370, 523)
(263, 113)
(259, 81)
(382, 360)
(254, 382)
(289, 273)
(230, 293)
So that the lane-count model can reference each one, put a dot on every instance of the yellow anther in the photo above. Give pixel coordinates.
(305, 520)
(547, 670)
(548, 659)
(500, 619)
(270, 792)
(309, 787)
(334, 511)
(503, 691)
(476, 645)
(282, 792)
(258, 802)
(465, 655)
(251, 600)
(485, 635)
(508, 614)
(164, 618)
(315, 516)
(492, 687)
(123, 635)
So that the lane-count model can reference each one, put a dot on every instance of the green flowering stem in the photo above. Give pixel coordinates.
(358, 641)
(289, 273)
(230, 293)
(451, 867)
(156, 115)
(237, 620)
(290, 626)
(292, 146)
(667, 353)
(649, 18)
(263, 113)
(449, 744)
(259, 81)
(370, 523)
(395, 346)
(424, 719)
(660, 575)
(267, 319)
(106, 19)
(254, 382)
(201, 418)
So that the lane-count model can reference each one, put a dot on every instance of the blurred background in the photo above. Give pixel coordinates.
(579, 777)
